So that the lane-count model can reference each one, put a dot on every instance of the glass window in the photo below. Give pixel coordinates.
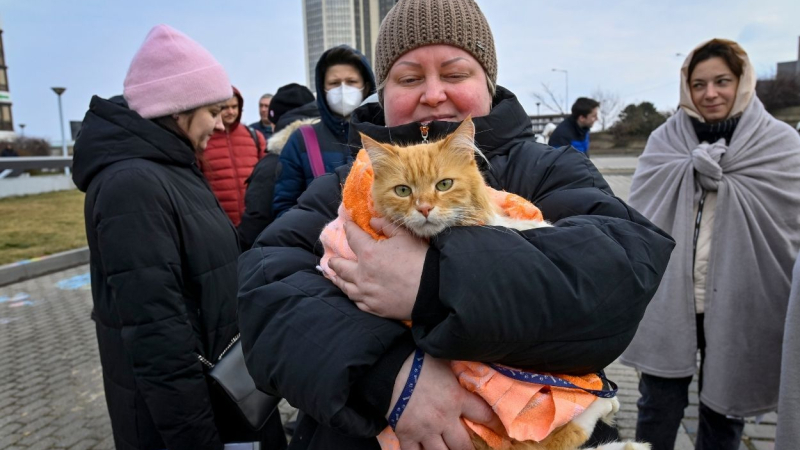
(6, 123)
(3, 79)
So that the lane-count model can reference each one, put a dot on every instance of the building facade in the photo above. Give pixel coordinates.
(790, 69)
(6, 119)
(328, 23)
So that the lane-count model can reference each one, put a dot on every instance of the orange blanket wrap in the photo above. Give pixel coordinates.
(528, 411)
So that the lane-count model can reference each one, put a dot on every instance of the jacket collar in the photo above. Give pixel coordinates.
(111, 132)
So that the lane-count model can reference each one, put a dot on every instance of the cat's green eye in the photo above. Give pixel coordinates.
(444, 184)
(402, 190)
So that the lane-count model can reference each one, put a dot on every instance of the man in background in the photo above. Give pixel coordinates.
(574, 130)
(263, 126)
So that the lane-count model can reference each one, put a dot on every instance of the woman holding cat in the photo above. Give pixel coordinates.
(722, 176)
(561, 299)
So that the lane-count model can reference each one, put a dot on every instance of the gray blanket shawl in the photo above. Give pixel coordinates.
(754, 241)
(788, 435)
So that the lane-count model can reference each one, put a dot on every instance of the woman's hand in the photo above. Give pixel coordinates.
(386, 278)
(432, 418)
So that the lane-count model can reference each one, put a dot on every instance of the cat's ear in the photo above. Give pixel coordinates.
(377, 152)
(462, 140)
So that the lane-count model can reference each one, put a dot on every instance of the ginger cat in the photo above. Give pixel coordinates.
(430, 187)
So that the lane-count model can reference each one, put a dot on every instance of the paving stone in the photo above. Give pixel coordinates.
(771, 418)
(762, 445)
(74, 436)
(690, 425)
(763, 431)
(8, 440)
(107, 443)
(9, 428)
(83, 445)
(44, 444)
(683, 442)
(31, 437)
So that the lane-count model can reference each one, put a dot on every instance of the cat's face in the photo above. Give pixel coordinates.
(429, 187)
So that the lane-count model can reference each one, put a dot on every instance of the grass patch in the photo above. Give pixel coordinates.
(39, 225)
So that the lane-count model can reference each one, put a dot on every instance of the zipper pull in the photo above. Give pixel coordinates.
(423, 129)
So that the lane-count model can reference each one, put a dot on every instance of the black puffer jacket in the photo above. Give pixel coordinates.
(163, 269)
(562, 299)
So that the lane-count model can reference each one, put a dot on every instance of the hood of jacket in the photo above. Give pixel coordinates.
(308, 111)
(240, 99)
(495, 133)
(338, 125)
(111, 132)
(278, 140)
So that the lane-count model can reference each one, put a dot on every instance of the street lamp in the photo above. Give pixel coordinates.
(59, 91)
(566, 78)
(22, 129)
(537, 107)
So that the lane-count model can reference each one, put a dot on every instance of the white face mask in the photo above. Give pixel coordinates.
(344, 99)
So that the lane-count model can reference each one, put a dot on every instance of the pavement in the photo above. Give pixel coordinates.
(51, 389)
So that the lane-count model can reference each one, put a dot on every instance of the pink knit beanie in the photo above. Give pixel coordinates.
(171, 73)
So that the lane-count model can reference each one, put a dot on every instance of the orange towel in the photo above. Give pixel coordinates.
(528, 411)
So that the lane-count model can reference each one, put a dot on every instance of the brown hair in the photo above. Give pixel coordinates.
(169, 123)
(718, 48)
(347, 56)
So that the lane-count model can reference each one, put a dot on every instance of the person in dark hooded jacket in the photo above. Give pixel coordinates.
(162, 252)
(343, 80)
(563, 299)
(258, 212)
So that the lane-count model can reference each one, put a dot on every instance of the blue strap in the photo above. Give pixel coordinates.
(550, 380)
(411, 383)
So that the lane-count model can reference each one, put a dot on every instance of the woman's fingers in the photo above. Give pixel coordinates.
(437, 443)
(477, 410)
(457, 437)
(387, 228)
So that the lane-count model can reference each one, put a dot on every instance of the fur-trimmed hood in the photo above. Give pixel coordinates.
(278, 140)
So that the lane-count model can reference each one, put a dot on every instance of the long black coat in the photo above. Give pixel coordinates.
(563, 299)
(163, 269)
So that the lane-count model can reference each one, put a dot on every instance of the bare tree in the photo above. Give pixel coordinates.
(610, 107)
(778, 92)
(549, 100)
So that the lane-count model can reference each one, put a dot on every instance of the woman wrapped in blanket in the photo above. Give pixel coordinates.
(722, 176)
(565, 299)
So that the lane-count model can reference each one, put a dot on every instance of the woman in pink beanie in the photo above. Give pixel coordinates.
(163, 253)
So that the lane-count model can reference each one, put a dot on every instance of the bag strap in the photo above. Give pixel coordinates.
(312, 148)
(551, 380)
(255, 139)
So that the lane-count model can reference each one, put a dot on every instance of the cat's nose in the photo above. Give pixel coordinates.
(424, 210)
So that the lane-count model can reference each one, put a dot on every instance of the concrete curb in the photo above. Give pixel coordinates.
(32, 268)
(617, 171)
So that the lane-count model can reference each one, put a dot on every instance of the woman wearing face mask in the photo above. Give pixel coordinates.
(343, 79)
(722, 176)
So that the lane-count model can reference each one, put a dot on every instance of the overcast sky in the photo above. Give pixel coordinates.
(623, 47)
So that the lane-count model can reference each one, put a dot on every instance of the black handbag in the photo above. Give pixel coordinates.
(231, 374)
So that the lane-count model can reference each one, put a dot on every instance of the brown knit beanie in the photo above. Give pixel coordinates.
(415, 23)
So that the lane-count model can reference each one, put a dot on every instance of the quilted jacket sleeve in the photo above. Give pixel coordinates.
(563, 299)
